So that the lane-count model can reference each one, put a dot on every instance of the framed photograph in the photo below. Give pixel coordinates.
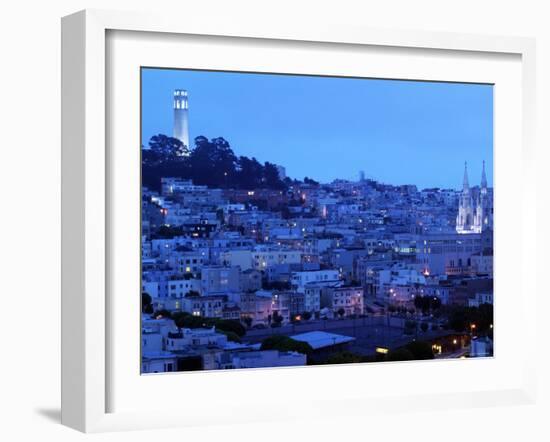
(292, 223)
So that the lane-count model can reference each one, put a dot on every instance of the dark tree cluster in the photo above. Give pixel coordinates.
(414, 350)
(233, 329)
(427, 303)
(210, 162)
(462, 318)
(284, 343)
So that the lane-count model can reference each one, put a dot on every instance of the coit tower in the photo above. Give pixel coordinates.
(181, 116)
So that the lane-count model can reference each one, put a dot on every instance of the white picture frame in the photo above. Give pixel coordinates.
(86, 315)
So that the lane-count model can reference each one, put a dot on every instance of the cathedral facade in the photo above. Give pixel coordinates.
(475, 212)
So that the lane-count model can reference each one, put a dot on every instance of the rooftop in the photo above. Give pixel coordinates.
(320, 339)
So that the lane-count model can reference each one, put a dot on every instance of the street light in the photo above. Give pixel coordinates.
(472, 329)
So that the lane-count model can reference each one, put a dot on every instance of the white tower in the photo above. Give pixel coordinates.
(181, 117)
(466, 213)
(484, 218)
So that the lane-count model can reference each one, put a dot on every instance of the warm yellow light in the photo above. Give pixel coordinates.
(455, 341)
(382, 350)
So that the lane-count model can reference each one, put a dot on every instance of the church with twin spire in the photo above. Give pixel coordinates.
(475, 209)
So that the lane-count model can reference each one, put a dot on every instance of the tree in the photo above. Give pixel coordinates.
(220, 216)
(344, 357)
(284, 343)
(168, 232)
(306, 316)
(310, 181)
(276, 285)
(229, 325)
(277, 318)
(400, 354)
(163, 313)
(341, 312)
(410, 327)
(146, 302)
(231, 336)
(248, 321)
(210, 162)
(271, 176)
(427, 303)
(249, 173)
(420, 349)
(167, 147)
(185, 320)
(424, 327)
(461, 318)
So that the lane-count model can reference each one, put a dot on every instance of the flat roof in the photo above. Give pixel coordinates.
(321, 339)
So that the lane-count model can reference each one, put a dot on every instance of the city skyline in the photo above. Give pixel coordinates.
(265, 246)
(218, 101)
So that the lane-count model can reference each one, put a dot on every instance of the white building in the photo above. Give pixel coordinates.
(205, 306)
(241, 258)
(482, 262)
(178, 288)
(187, 262)
(480, 298)
(299, 280)
(262, 259)
(260, 359)
(481, 347)
(194, 338)
(312, 298)
(399, 285)
(151, 341)
(220, 279)
(474, 214)
(439, 254)
(348, 300)
(159, 362)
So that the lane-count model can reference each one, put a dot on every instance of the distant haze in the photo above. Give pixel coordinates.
(397, 132)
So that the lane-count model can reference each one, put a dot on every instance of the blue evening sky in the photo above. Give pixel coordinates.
(397, 132)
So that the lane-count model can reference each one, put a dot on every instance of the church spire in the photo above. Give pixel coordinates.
(465, 184)
(483, 177)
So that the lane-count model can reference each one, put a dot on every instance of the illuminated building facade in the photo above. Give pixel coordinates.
(475, 214)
